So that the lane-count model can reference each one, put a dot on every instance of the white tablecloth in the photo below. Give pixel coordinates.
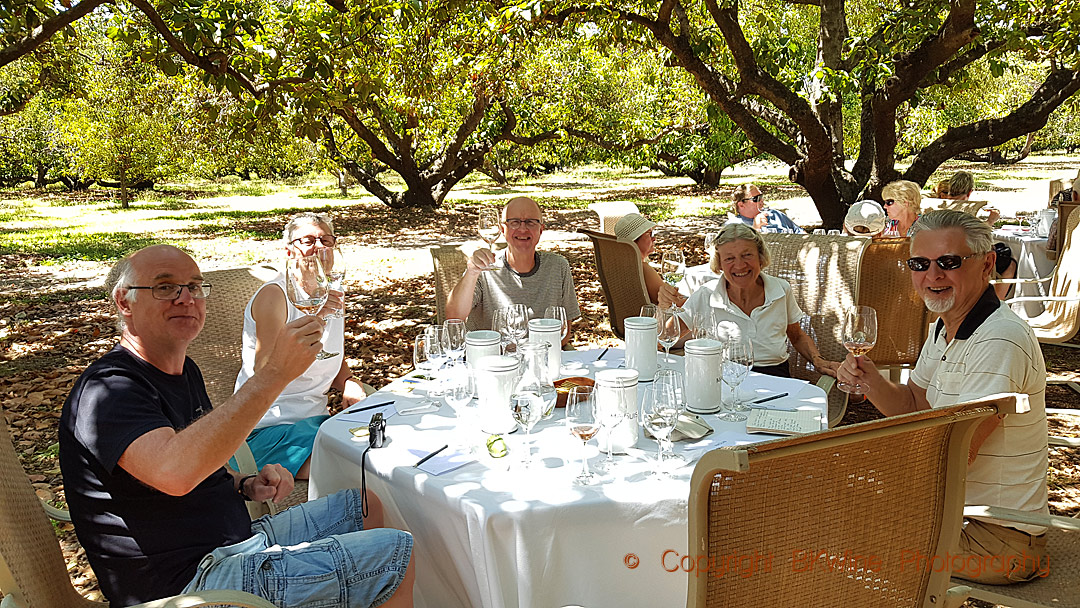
(491, 534)
(1031, 263)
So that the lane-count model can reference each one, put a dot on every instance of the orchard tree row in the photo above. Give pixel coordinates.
(429, 91)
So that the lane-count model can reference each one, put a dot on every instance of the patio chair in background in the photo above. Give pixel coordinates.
(903, 320)
(824, 274)
(1060, 320)
(32, 569)
(450, 263)
(835, 518)
(610, 212)
(618, 263)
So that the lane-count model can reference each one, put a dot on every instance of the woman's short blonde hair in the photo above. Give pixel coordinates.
(735, 231)
(904, 192)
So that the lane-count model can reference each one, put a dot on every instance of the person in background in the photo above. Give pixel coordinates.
(960, 188)
(751, 211)
(977, 348)
(518, 274)
(902, 202)
(143, 455)
(286, 433)
(747, 303)
(634, 227)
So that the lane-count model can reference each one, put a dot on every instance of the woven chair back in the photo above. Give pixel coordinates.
(902, 316)
(1061, 319)
(31, 565)
(450, 263)
(610, 212)
(217, 348)
(824, 272)
(787, 522)
(618, 263)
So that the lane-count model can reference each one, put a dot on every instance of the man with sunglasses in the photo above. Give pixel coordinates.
(978, 347)
(517, 275)
(750, 210)
(143, 451)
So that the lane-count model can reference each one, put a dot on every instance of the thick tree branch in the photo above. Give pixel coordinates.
(607, 144)
(378, 149)
(47, 30)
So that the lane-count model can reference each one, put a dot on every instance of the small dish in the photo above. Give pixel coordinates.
(563, 386)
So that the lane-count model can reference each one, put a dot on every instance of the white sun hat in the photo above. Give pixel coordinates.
(631, 226)
(865, 217)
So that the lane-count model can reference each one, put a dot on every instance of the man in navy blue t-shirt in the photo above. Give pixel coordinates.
(143, 453)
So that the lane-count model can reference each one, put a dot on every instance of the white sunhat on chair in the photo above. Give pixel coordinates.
(865, 217)
(631, 226)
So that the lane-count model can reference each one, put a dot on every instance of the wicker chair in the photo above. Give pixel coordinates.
(903, 319)
(972, 207)
(784, 510)
(450, 263)
(217, 351)
(32, 570)
(824, 274)
(1060, 320)
(610, 212)
(618, 263)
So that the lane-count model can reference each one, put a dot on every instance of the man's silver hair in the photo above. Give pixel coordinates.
(308, 218)
(736, 231)
(977, 233)
(121, 275)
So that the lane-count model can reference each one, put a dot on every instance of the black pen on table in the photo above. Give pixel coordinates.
(777, 396)
(603, 353)
(430, 456)
(368, 407)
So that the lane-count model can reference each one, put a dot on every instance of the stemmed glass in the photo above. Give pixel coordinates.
(672, 267)
(649, 310)
(458, 394)
(429, 353)
(527, 409)
(669, 329)
(487, 225)
(658, 414)
(307, 288)
(558, 312)
(860, 336)
(671, 379)
(335, 265)
(499, 324)
(581, 420)
(455, 338)
(517, 323)
(738, 359)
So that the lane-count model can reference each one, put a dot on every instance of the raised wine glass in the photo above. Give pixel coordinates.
(335, 265)
(582, 422)
(307, 288)
(455, 338)
(672, 267)
(658, 414)
(668, 329)
(487, 225)
(860, 336)
(738, 359)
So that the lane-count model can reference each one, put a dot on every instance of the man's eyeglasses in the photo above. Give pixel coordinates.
(328, 240)
(530, 223)
(945, 262)
(889, 202)
(171, 291)
(756, 199)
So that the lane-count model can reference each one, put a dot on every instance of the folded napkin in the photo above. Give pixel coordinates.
(690, 426)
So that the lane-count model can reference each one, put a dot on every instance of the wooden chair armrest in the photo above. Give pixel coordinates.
(1042, 299)
(1020, 281)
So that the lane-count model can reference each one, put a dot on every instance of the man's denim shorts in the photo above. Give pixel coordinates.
(314, 554)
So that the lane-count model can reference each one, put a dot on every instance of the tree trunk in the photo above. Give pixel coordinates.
(39, 179)
(125, 199)
(342, 181)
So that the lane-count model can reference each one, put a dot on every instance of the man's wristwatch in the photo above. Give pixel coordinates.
(240, 487)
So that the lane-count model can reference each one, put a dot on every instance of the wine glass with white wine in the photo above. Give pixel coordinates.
(307, 288)
(335, 265)
(672, 267)
(860, 336)
(487, 226)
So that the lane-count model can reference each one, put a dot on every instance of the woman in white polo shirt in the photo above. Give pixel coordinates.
(748, 303)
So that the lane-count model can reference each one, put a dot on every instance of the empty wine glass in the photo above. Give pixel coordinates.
(527, 408)
(582, 422)
(672, 267)
(455, 338)
(517, 323)
(458, 390)
(428, 355)
(738, 359)
(499, 324)
(671, 379)
(860, 336)
(487, 225)
(658, 414)
(335, 265)
(649, 310)
(307, 288)
(669, 329)
(558, 312)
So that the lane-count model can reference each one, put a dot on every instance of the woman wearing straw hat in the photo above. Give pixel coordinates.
(634, 227)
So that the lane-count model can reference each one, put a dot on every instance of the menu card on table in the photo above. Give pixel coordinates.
(780, 422)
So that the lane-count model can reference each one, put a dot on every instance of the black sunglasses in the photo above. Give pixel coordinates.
(756, 199)
(889, 202)
(945, 262)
